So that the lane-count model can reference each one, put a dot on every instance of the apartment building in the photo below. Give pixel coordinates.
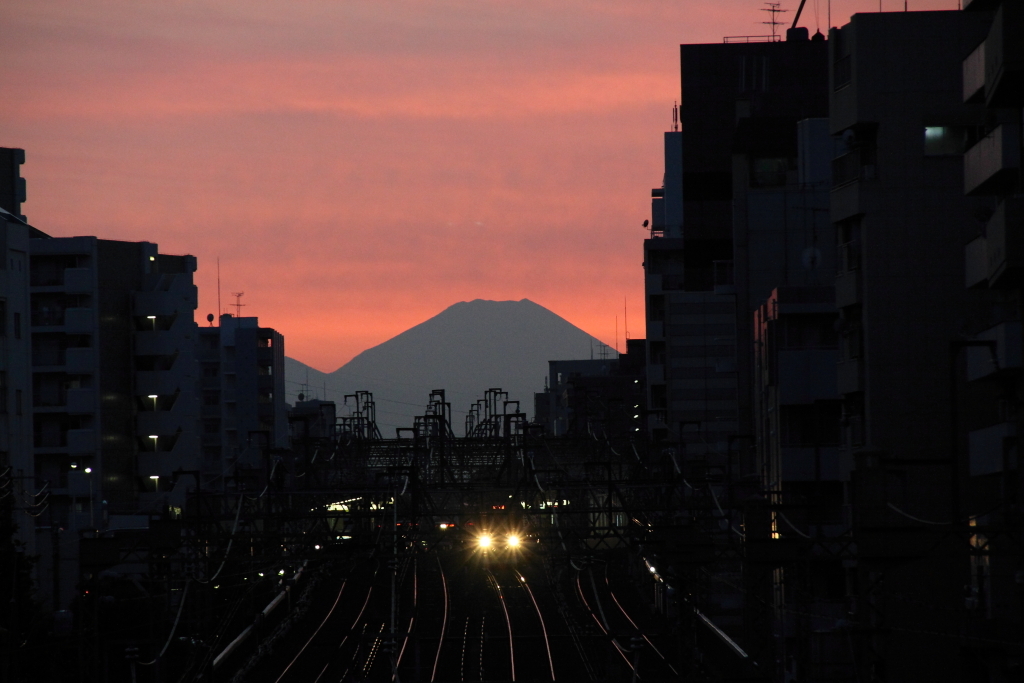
(114, 400)
(601, 396)
(16, 468)
(244, 414)
(740, 106)
(991, 404)
(902, 220)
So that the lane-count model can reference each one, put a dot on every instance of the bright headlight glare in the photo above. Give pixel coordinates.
(483, 541)
(513, 541)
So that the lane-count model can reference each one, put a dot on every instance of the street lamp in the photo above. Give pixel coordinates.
(92, 507)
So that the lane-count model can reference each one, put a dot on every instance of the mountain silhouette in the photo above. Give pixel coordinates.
(466, 349)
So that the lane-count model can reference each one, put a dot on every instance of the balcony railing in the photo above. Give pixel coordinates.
(974, 75)
(842, 72)
(992, 165)
(849, 256)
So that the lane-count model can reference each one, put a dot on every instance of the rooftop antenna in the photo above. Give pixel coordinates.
(238, 303)
(625, 321)
(774, 9)
(675, 117)
(616, 333)
(220, 311)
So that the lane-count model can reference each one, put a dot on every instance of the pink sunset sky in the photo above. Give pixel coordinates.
(358, 166)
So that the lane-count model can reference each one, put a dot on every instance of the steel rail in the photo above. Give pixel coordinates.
(329, 613)
(359, 616)
(543, 627)
(508, 622)
(444, 621)
(408, 631)
(642, 634)
(618, 648)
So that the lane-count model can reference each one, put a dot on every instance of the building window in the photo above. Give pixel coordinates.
(809, 331)
(17, 325)
(851, 333)
(808, 425)
(769, 171)
(942, 141)
(950, 140)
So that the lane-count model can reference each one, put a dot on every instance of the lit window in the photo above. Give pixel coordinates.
(943, 141)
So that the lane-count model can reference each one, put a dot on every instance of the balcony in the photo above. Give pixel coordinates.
(158, 422)
(982, 362)
(847, 288)
(807, 375)
(974, 75)
(79, 280)
(159, 343)
(849, 376)
(81, 401)
(993, 164)
(808, 463)
(976, 263)
(993, 449)
(1005, 263)
(79, 320)
(156, 382)
(1004, 57)
(156, 303)
(842, 72)
(81, 441)
(80, 361)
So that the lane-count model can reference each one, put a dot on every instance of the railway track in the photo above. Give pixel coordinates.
(454, 615)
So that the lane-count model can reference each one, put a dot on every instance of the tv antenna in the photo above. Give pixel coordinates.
(675, 117)
(774, 9)
(238, 303)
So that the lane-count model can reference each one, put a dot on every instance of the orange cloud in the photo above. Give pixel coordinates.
(358, 166)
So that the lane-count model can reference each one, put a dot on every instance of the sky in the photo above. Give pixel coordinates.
(357, 166)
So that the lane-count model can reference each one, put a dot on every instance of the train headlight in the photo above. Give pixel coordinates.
(484, 541)
(512, 541)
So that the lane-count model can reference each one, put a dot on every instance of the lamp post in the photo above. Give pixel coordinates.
(92, 507)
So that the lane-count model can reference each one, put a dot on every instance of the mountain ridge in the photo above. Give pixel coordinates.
(467, 348)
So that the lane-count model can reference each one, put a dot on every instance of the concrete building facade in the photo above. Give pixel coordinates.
(244, 414)
(902, 219)
(114, 402)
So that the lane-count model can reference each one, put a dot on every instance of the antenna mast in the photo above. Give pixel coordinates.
(773, 9)
(220, 311)
(238, 303)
